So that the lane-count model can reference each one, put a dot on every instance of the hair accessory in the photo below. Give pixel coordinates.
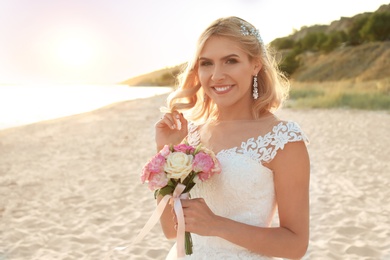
(254, 32)
(255, 88)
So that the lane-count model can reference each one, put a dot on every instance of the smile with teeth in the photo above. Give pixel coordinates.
(223, 88)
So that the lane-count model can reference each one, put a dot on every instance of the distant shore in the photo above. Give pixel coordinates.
(70, 187)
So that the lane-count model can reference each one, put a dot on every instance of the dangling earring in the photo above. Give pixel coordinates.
(255, 88)
(204, 98)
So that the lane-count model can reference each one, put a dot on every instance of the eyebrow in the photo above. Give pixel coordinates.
(223, 58)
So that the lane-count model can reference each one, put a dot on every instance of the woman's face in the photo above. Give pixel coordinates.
(225, 73)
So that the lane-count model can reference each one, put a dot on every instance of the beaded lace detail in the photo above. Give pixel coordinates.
(264, 148)
(244, 191)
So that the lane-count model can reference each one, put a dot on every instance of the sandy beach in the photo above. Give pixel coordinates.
(70, 188)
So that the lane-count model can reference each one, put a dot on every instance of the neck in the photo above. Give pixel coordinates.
(235, 114)
(241, 116)
(240, 111)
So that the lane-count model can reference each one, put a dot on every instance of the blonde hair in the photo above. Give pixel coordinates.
(273, 86)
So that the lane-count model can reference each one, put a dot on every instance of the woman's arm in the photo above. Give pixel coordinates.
(170, 129)
(291, 170)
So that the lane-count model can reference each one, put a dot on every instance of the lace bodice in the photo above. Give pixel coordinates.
(244, 191)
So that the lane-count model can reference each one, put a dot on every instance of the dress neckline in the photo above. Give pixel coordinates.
(244, 143)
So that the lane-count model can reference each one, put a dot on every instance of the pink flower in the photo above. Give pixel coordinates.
(157, 181)
(203, 164)
(203, 176)
(184, 148)
(154, 166)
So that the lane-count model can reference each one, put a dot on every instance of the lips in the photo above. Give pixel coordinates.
(222, 89)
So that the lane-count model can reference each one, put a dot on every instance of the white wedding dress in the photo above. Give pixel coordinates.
(244, 191)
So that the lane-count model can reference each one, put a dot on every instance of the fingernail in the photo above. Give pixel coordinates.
(178, 124)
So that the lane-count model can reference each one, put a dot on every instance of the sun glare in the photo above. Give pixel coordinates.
(75, 52)
(72, 54)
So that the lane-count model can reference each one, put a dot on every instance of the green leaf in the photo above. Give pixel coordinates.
(166, 190)
(197, 149)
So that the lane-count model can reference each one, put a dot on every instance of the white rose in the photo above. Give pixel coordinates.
(178, 165)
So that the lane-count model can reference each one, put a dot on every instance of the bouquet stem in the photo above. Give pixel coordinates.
(188, 243)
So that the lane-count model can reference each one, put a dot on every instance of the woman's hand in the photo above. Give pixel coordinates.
(198, 217)
(170, 129)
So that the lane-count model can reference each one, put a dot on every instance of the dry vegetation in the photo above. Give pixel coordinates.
(350, 77)
(365, 62)
(368, 95)
(163, 77)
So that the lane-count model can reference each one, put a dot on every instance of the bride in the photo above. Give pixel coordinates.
(225, 101)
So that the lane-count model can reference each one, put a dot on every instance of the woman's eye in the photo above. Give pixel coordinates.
(205, 63)
(231, 61)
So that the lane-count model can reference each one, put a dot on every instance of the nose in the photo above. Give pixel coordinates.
(218, 74)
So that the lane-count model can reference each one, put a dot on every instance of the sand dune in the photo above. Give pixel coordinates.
(70, 189)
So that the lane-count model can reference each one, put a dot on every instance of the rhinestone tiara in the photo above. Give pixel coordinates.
(249, 30)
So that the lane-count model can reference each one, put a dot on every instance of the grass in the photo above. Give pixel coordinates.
(369, 95)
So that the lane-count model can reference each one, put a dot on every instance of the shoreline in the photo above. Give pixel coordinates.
(71, 188)
(28, 104)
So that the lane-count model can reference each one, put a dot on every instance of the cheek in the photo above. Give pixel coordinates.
(203, 75)
(244, 77)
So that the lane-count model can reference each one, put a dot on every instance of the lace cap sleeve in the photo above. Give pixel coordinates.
(286, 132)
(265, 147)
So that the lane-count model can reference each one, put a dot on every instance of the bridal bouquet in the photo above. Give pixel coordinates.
(175, 170)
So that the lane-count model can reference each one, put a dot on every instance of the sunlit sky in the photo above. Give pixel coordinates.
(108, 41)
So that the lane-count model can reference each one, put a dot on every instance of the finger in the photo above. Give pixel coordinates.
(184, 122)
(171, 120)
(178, 121)
(174, 217)
(184, 203)
(188, 202)
(168, 120)
(175, 119)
